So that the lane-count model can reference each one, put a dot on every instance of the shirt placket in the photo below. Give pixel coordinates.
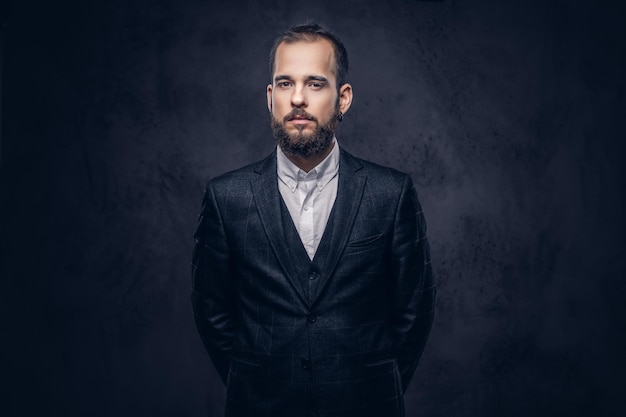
(307, 210)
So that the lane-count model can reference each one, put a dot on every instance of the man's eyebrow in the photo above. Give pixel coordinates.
(317, 78)
(309, 78)
(282, 77)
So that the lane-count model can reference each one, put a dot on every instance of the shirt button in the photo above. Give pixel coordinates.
(305, 208)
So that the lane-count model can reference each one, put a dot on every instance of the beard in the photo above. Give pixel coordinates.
(300, 143)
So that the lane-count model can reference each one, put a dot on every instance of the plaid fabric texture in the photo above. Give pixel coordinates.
(340, 335)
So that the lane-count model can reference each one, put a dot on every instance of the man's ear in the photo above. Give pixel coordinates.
(345, 97)
(269, 97)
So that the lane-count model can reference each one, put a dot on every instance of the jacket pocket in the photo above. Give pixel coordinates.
(380, 366)
(382, 362)
(365, 244)
(365, 241)
(242, 365)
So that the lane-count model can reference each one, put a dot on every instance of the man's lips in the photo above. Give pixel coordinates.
(299, 120)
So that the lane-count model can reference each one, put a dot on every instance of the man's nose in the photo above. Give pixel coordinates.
(298, 98)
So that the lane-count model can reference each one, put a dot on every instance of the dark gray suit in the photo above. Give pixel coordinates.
(337, 336)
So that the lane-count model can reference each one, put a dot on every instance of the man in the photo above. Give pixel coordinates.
(312, 288)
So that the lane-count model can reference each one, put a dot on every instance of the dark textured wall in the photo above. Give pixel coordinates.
(508, 114)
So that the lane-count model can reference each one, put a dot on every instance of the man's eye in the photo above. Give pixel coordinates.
(316, 85)
(284, 84)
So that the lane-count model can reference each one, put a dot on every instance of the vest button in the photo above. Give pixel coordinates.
(313, 275)
(311, 317)
(306, 363)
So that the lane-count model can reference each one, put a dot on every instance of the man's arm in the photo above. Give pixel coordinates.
(213, 289)
(414, 290)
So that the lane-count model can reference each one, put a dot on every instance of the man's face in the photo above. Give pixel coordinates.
(303, 98)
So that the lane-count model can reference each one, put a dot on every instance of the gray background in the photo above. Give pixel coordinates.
(508, 115)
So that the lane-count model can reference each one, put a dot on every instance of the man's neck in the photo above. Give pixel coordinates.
(308, 163)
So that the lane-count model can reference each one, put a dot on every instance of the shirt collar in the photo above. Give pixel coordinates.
(322, 173)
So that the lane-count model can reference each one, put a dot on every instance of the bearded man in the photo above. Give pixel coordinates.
(312, 287)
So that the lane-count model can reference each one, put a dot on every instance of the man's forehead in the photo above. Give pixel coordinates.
(314, 54)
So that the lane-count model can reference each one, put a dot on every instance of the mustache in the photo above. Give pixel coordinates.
(299, 113)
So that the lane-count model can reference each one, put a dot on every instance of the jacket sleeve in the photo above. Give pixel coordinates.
(413, 289)
(213, 289)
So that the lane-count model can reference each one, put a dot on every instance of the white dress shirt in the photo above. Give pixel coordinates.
(309, 196)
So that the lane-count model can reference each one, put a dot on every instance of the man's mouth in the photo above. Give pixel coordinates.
(299, 120)
(299, 117)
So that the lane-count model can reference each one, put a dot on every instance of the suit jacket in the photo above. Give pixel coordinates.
(337, 336)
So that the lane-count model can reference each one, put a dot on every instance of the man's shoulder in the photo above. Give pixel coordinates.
(244, 174)
(375, 173)
(379, 175)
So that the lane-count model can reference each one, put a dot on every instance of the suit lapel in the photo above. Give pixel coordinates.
(349, 194)
(268, 201)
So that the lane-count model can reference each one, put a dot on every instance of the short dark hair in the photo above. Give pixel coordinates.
(310, 32)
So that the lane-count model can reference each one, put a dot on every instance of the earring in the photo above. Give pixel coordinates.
(340, 116)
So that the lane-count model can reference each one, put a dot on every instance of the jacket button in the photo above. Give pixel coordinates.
(311, 317)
